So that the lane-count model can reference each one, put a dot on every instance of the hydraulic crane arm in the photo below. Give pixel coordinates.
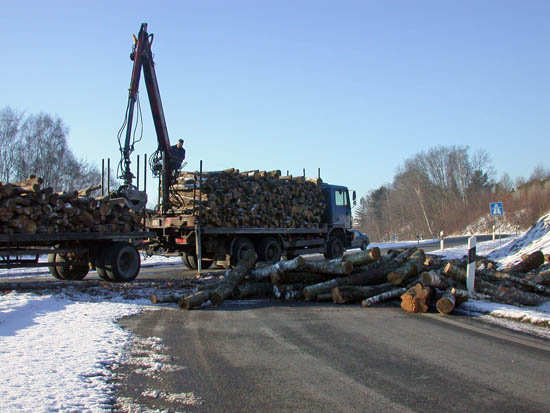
(143, 59)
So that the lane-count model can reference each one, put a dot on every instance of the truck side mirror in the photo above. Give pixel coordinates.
(354, 197)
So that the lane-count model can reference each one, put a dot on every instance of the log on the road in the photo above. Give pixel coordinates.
(277, 268)
(327, 267)
(172, 297)
(194, 300)
(455, 272)
(306, 278)
(363, 257)
(348, 294)
(435, 280)
(253, 289)
(530, 262)
(510, 295)
(465, 295)
(416, 299)
(374, 273)
(408, 270)
(446, 303)
(383, 297)
(233, 277)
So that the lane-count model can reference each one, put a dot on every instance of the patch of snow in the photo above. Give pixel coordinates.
(59, 354)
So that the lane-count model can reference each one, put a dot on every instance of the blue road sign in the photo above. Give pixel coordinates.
(496, 208)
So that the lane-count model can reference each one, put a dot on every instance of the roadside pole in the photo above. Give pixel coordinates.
(441, 240)
(471, 268)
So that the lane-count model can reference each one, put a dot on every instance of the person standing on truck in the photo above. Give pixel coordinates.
(177, 155)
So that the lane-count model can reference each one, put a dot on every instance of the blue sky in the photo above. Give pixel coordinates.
(351, 87)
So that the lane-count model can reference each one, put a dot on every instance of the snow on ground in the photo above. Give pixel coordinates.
(59, 351)
(58, 354)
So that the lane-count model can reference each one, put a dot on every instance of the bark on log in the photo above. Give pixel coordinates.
(348, 294)
(327, 267)
(253, 289)
(305, 278)
(465, 295)
(435, 280)
(542, 278)
(233, 277)
(455, 272)
(408, 270)
(383, 297)
(446, 304)
(375, 273)
(508, 295)
(279, 267)
(498, 276)
(194, 300)
(324, 297)
(532, 261)
(363, 257)
(173, 297)
(416, 299)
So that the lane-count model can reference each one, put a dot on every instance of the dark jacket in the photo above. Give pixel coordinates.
(177, 155)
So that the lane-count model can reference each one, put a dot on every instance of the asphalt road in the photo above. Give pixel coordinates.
(267, 356)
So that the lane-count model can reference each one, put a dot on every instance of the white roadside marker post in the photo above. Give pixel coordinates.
(441, 241)
(471, 268)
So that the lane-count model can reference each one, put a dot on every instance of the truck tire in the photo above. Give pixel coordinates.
(99, 263)
(122, 262)
(191, 262)
(269, 250)
(53, 270)
(239, 249)
(70, 271)
(335, 248)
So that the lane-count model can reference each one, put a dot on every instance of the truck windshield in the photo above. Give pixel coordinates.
(340, 198)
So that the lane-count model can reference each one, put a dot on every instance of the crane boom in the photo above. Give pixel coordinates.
(143, 60)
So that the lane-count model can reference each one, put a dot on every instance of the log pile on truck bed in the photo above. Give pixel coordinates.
(368, 278)
(26, 207)
(249, 199)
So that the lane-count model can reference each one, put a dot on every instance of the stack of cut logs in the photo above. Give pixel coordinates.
(25, 207)
(421, 282)
(249, 199)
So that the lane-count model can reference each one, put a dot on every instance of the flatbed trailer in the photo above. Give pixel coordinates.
(114, 255)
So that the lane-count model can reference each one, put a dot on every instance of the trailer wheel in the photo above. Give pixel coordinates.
(71, 271)
(269, 250)
(53, 270)
(335, 248)
(122, 262)
(239, 249)
(99, 262)
(191, 262)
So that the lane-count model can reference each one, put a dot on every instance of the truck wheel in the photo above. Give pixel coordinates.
(53, 270)
(122, 262)
(239, 249)
(99, 262)
(71, 271)
(269, 250)
(335, 248)
(190, 262)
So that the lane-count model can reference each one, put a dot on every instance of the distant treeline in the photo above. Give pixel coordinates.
(446, 189)
(36, 144)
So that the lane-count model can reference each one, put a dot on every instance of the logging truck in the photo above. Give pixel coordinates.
(188, 236)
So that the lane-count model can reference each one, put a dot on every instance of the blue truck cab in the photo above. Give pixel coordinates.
(338, 219)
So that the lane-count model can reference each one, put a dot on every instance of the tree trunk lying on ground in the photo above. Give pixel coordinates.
(408, 270)
(532, 261)
(435, 280)
(233, 278)
(383, 297)
(446, 303)
(416, 298)
(363, 257)
(348, 294)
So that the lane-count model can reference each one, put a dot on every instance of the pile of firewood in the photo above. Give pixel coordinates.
(26, 207)
(249, 199)
(368, 278)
